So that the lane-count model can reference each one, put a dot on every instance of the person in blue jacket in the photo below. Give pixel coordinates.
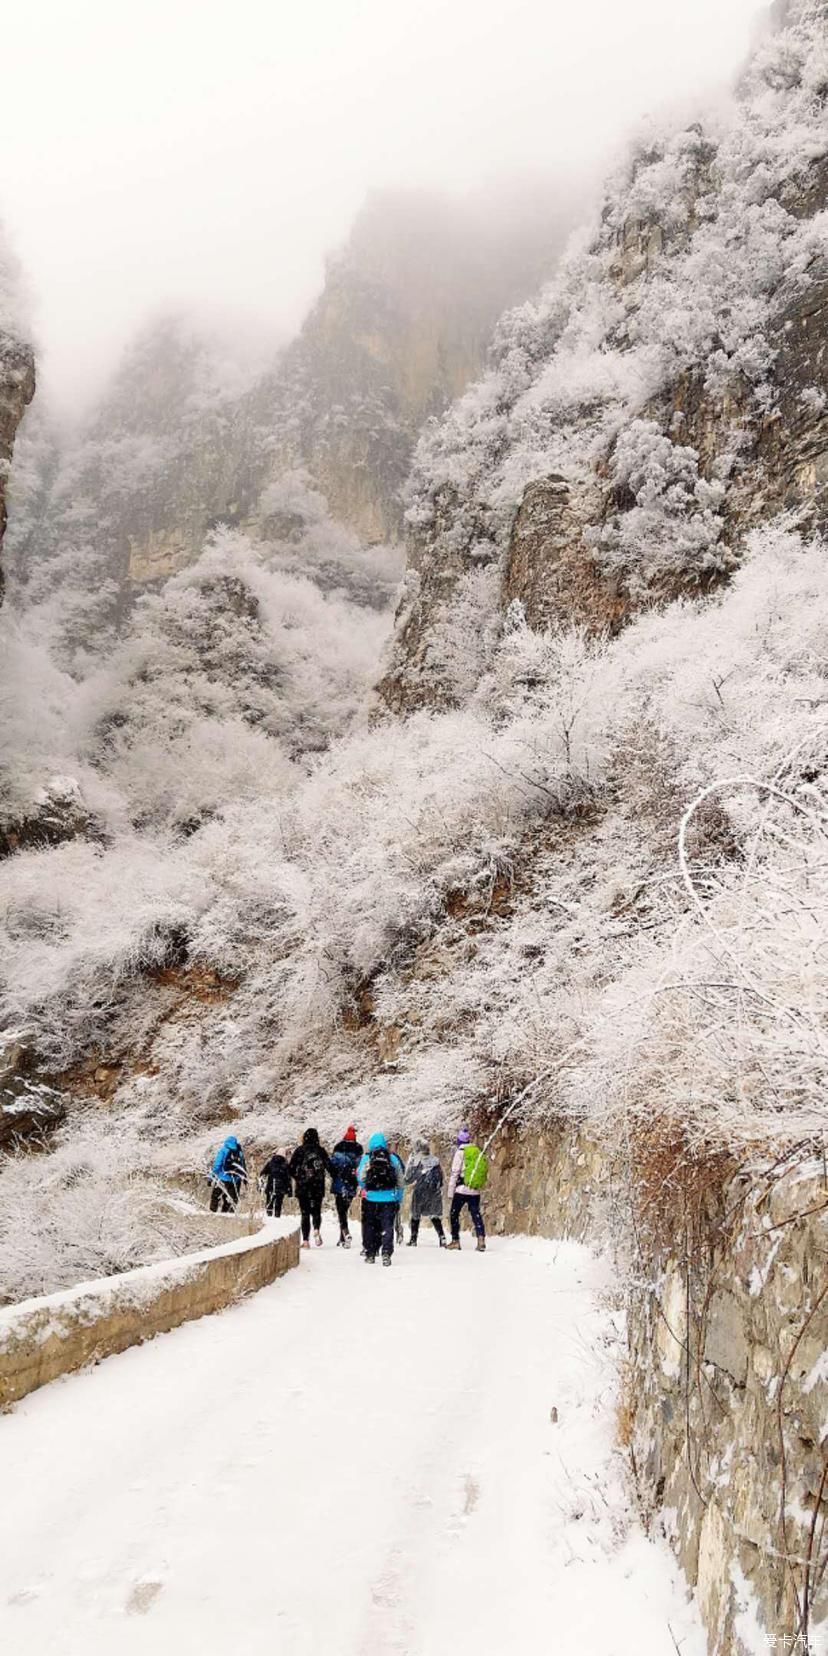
(227, 1176)
(345, 1159)
(381, 1186)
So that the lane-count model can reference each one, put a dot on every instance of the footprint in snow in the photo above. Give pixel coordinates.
(143, 1596)
(471, 1495)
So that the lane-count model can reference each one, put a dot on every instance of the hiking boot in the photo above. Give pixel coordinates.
(412, 1242)
(481, 1245)
(453, 1247)
(305, 1244)
(386, 1259)
(346, 1240)
(443, 1242)
(341, 1242)
(317, 1239)
(370, 1259)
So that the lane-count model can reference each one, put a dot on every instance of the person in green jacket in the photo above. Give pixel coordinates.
(469, 1163)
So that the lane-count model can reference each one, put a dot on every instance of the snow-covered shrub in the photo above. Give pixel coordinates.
(78, 920)
(304, 540)
(408, 918)
(99, 1203)
(673, 525)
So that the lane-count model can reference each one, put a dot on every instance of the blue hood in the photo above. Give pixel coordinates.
(378, 1141)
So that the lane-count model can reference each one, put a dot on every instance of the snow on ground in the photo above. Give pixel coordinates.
(354, 1462)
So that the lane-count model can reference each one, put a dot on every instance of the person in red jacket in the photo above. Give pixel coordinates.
(345, 1159)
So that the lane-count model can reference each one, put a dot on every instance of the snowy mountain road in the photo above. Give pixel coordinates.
(412, 1462)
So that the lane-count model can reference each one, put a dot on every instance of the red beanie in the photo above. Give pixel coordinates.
(350, 1133)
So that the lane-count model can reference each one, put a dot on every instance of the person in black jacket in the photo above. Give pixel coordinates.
(345, 1159)
(276, 1182)
(308, 1166)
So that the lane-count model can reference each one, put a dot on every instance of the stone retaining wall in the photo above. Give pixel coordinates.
(41, 1339)
(726, 1396)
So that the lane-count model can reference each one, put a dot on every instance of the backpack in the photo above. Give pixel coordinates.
(312, 1168)
(429, 1183)
(344, 1169)
(380, 1174)
(475, 1168)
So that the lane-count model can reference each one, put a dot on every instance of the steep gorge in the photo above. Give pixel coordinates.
(196, 427)
(614, 623)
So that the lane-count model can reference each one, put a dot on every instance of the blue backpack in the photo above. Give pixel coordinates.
(344, 1170)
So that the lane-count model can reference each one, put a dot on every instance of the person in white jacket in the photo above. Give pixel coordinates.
(461, 1195)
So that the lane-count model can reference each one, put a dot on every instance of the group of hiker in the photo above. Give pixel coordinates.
(376, 1174)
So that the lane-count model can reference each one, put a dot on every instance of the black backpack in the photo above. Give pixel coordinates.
(312, 1168)
(380, 1173)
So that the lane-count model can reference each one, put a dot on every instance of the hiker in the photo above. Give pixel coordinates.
(345, 1159)
(227, 1175)
(423, 1171)
(308, 1166)
(469, 1173)
(276, 1183)
(380, 1176)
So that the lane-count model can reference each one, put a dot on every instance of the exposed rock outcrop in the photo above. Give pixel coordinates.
(189, 434)
(17, 384)
(30, 1109)
(667, 391)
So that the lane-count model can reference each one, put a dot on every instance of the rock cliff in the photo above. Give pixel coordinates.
(191, 434)
(17, 379)
(668, 389)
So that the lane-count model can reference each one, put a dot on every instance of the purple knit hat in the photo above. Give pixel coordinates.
(464, 1136)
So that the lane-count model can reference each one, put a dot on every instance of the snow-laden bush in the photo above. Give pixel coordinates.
(304, 540)
(222, 679)
(674, 521)
(409, 918)
(77, 921)
(98, 1204)
(589, 988)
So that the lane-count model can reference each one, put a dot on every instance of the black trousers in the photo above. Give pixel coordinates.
(224, 1198)
(310, 1209)
(343, 1204)
(415, 1225)
(274, 1203)
(378, 1227)
(458, 1202)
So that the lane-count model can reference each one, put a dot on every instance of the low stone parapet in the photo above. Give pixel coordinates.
(724, 1405)
(41, 1339)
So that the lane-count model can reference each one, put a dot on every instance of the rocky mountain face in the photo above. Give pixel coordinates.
(401, 327)
(188, 435)
(17, 384)
(667, 388)
(127, 500)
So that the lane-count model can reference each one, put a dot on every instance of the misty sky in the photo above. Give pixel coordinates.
(163, 151)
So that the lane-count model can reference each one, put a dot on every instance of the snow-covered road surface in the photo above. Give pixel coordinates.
(354, 1462)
